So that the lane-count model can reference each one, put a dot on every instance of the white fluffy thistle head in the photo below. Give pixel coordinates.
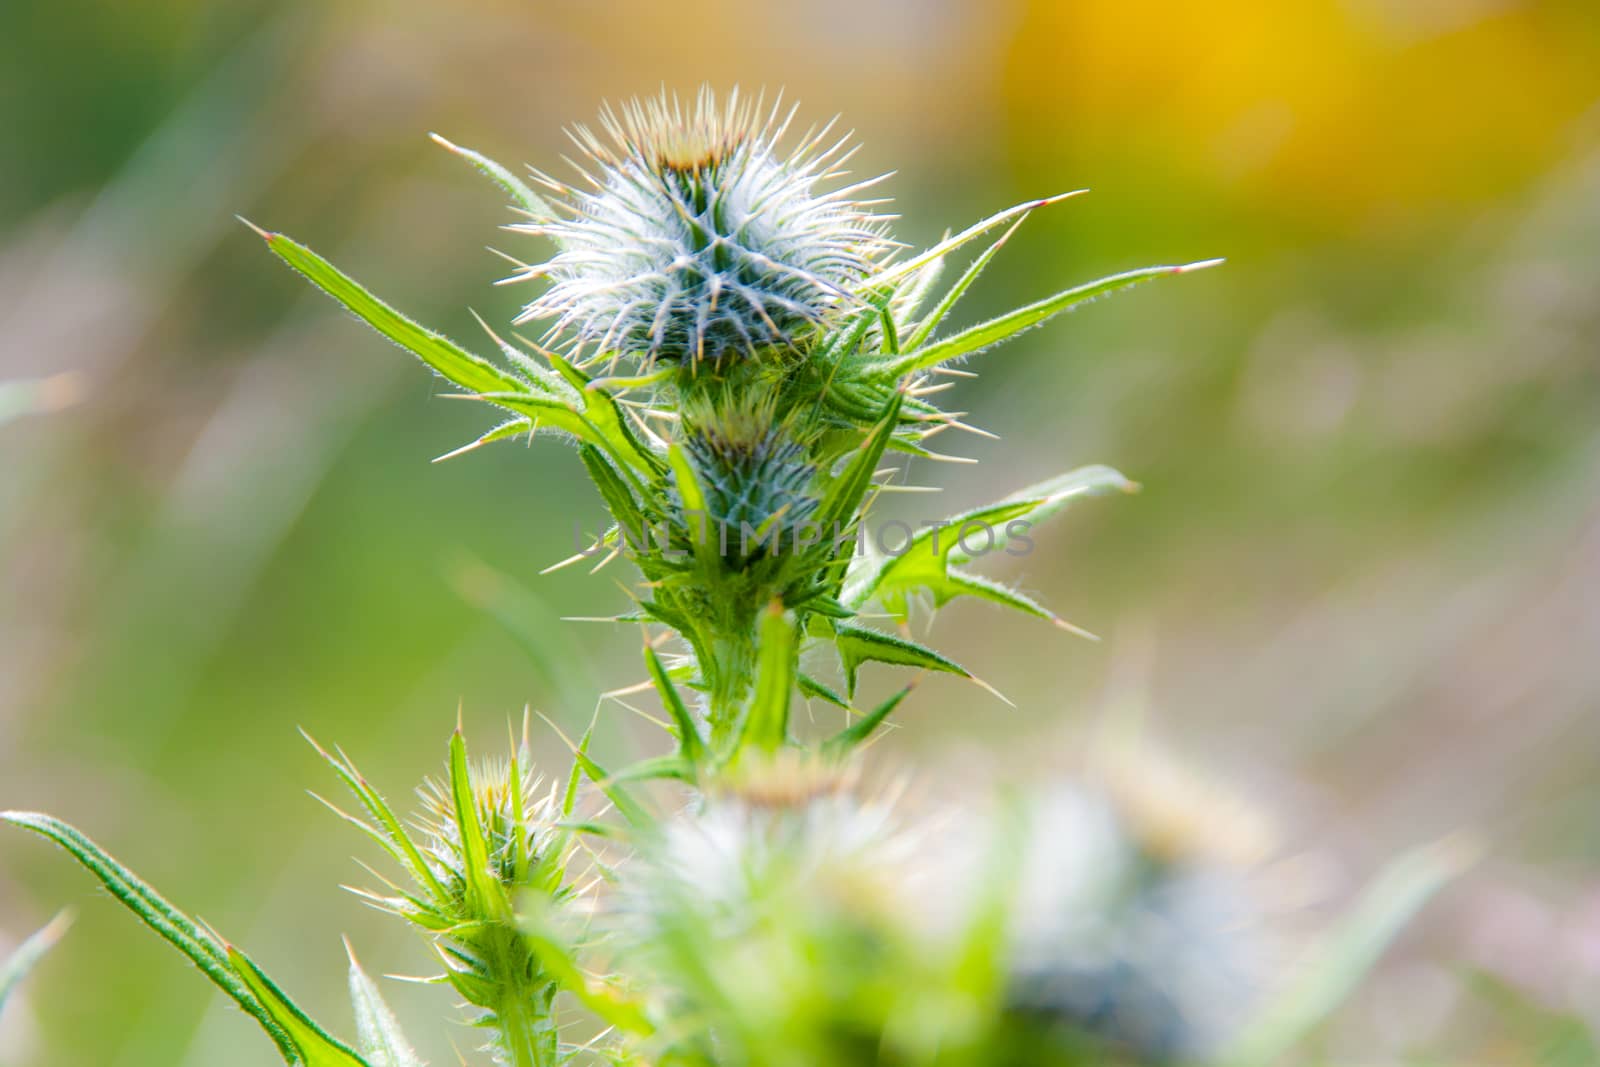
(698, 239)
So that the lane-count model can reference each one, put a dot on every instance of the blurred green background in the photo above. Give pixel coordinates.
(1363, 580)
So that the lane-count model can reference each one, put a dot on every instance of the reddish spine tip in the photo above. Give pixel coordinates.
(265, 235)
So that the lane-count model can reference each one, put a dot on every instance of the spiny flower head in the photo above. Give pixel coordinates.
(699, 239)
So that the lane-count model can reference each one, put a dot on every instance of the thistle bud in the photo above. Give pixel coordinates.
(757, 479)
(774, 826)
(489, 842)
(770, 916)
(515, 824)
(698, 239)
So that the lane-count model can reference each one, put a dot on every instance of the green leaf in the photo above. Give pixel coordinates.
(1009, 325)
(505, 431)
(950, 244)
(839, 343)
(569, 795)
(569, 802)
(693, 496)
(766, 721)
(688, 626)
(387, 831)
(626, 806)
(926, 561)
(484, 894)
(842, 500)
(519, 842)
(1346, 956)
(841, 743)
(813, 688)
(959, 583)
(28, 954)
(544, 411)
(891, 336)
(858, 645)
(603, 412)
(536, 376)
(607, 1002)
(521, 194)
(656, 768)
(931, 321)
(691, 747)
(470, 372)
(377, 1031)
(909, 296)
(619, 797)
(616, 493)
(202, 947)
(314, 1046)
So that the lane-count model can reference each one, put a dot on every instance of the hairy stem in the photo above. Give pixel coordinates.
(521, 1005)
(729, 678)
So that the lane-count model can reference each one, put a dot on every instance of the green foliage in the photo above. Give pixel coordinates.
(925, 565)
(985, 335)
(378, 1032)
(766, 720)
(1542, 1035)
(1350, 952)
(230, 972)
(313, 1046)
(859, 732)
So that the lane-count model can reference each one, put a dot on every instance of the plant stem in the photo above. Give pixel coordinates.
(729, 678)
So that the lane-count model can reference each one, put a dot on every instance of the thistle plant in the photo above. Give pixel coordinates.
(724, 330)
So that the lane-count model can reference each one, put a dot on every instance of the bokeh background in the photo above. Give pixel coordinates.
(1362, 582)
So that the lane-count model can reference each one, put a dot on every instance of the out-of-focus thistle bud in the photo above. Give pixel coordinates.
(1138, 923)
(771, 823)
(698, 239)
(771, 915)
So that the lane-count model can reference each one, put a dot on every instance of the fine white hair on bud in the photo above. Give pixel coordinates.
(697, 238)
